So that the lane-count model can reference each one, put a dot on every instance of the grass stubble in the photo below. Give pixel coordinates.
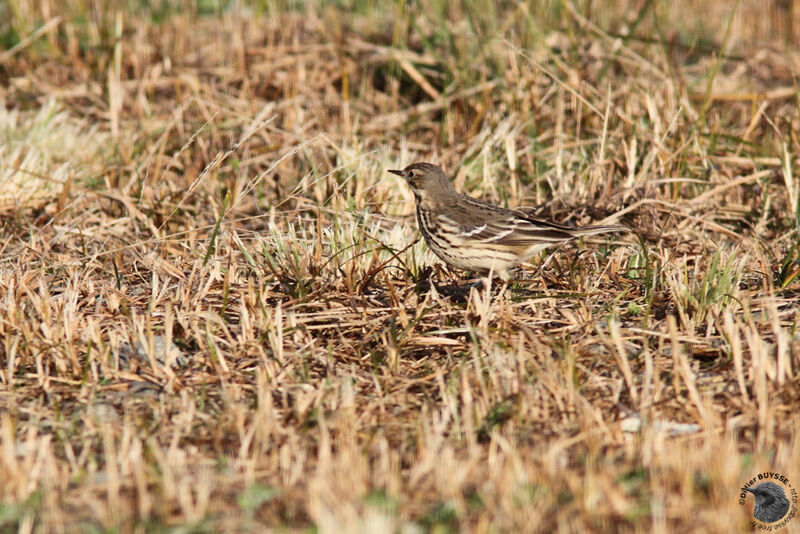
(216, 314)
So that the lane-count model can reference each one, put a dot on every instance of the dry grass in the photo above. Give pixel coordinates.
(215, 313)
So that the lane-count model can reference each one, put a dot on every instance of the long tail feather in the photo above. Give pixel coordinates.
(600, 229)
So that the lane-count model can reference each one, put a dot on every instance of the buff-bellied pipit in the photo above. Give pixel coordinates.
(470, 234)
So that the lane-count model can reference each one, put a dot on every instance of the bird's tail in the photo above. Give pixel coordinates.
(599, 229)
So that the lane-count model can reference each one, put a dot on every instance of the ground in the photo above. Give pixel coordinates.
(217, 314)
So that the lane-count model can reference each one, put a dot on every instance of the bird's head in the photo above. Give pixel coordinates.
(427, 181)
(771, 503)
(767, 491)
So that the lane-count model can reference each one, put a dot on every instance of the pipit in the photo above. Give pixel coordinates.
(473, 235)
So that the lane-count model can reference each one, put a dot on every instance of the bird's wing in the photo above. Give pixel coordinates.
(522, 231)
(482, 223)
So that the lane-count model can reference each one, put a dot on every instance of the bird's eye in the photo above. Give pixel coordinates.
(410, 174)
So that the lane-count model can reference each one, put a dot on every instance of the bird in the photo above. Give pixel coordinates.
(473, 235)
(771, 502)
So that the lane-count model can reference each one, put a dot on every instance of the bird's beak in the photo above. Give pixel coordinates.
(398, 173)
(750, 490)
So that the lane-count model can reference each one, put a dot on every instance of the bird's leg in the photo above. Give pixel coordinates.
(504, 276)
(487, 283)
(505, 279)
(432, 282)
(481, 283)
(477, 283)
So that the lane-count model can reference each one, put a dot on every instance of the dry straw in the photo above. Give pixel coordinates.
(215, 313)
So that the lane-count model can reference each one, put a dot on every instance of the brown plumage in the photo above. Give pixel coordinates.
(470, 234)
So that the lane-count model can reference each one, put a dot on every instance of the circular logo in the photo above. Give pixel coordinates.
(774, 500)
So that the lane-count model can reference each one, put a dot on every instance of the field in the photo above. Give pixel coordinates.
(216, 313)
